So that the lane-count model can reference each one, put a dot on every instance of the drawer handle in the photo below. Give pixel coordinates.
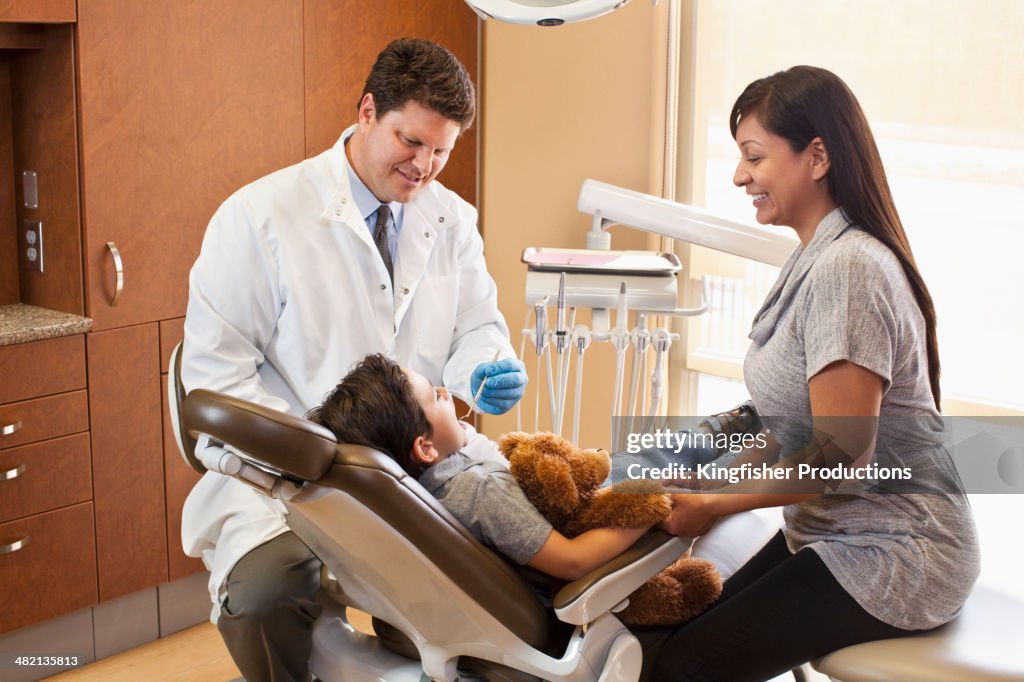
(8, 429)
(12, 473)
(14, 546)
(118, 272)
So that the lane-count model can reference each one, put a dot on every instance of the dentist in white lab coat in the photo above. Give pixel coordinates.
(304, 272)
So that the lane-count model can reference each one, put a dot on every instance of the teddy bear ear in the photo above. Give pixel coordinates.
(510, 442)
(559, 487)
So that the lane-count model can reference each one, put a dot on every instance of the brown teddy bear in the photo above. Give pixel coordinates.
(563, 481)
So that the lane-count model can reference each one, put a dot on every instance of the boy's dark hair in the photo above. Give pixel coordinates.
(423, 72)
(374, 406)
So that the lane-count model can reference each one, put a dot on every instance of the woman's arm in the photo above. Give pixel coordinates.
(571, 559)
(838, 392)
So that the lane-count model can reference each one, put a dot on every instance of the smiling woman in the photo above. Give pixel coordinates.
(848, 329)
(955, 168)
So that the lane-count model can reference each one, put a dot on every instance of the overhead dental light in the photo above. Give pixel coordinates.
(544, 12)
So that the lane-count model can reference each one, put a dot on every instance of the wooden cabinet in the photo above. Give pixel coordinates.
(42, 368)
(37, 11)
(145, 115)
(181, 104)
(38, 124)
(52, 569)
(47, 545)
(49, 474)
(128, 471)
(42, 418)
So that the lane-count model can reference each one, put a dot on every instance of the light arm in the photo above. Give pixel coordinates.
(615, 205)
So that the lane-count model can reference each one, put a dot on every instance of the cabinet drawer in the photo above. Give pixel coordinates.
(47, 566)
(43, 476)
(43, 418)
(42, 368)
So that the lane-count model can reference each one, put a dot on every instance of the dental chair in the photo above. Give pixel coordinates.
(444, 606)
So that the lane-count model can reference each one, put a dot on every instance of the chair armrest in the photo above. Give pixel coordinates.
(607, 586)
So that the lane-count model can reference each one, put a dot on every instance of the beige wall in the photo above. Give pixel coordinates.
(561, 105)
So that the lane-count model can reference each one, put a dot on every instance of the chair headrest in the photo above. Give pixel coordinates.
(297, 447)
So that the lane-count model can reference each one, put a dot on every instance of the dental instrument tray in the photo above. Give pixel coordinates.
(595, 279)
(642, 263)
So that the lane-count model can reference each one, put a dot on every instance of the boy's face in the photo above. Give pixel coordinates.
(448, 434)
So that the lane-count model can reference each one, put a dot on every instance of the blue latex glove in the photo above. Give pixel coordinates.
(503, 388)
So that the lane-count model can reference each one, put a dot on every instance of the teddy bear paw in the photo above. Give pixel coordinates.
(678, 594)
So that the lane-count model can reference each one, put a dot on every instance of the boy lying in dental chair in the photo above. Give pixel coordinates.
(380, 405)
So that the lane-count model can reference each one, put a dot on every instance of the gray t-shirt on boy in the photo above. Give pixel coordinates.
(486, 499)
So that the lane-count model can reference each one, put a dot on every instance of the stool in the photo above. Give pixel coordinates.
(984, 643)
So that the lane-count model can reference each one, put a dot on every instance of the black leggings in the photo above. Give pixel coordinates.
(777, 612)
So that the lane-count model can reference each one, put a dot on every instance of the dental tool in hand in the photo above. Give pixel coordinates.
(483, 382)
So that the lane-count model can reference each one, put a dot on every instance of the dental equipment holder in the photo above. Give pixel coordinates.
(644, 282)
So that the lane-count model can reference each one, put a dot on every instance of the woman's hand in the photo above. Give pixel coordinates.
(691, 515)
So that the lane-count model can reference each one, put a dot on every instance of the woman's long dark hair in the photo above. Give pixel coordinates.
(805, 102)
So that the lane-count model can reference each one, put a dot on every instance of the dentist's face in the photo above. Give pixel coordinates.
(396, 155)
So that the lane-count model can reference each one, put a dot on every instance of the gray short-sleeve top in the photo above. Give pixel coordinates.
(485, 498)
(910, 560)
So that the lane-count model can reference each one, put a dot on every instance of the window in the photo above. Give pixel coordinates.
(940, 84)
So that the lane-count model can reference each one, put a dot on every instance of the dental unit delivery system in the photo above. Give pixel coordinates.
(642, 282)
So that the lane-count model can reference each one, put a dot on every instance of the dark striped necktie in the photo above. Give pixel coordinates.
(380, 238)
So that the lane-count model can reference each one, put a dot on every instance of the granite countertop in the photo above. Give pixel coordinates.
(20, 323)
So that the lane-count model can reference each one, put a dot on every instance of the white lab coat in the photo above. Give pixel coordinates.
(289, 292)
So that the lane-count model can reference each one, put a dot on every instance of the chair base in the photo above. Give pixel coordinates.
(341, 653)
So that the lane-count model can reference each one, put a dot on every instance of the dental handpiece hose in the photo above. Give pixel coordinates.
(620, 339)
(540, 341)
(522, 357)
(581, 345)
(552, 408)
(563, 381)
(560, 344)
(661, 340)
(560, 332)
(540, 309)
(641, 340)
